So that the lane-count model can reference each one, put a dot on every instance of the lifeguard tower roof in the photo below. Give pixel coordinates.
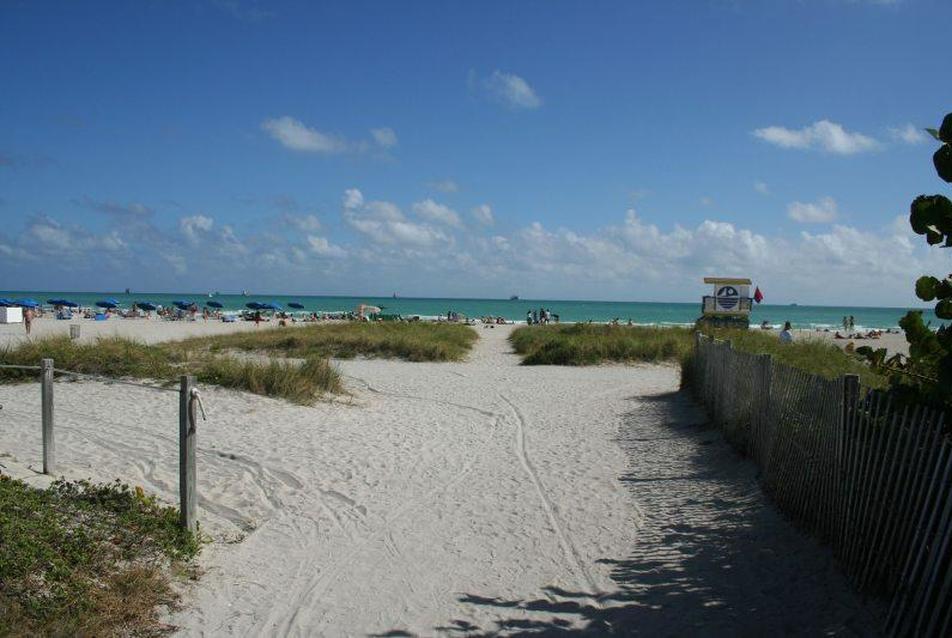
(728, 281)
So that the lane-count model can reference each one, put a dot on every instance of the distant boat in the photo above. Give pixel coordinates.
(514, 298)
(394, 295)
(127, 291)
(244, 293)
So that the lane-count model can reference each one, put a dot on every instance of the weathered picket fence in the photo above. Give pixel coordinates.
(872, 479)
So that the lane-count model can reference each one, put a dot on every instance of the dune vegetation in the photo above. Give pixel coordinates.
(590, 344)
(83, 559)
(118, 357)
(583, 344)
(293, 364)
(413, 341)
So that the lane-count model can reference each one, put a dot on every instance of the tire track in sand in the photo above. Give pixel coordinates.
(568, 548)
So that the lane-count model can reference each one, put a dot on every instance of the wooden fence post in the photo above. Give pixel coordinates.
(187, 471)
(763, 425)
(46, 396)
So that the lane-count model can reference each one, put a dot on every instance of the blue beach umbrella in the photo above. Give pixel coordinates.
(27, 303)
(6, 303)
(296, 305)
(214, 304)
(66, 303)
(146, 305)
(254, 305)
(272, 305)
(182, 304)
(107, 303)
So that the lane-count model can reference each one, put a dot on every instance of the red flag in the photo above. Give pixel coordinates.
(758, 296)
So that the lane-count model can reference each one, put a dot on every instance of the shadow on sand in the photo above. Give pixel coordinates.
(711, 556)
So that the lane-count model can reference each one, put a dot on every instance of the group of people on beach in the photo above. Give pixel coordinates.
(541, 316)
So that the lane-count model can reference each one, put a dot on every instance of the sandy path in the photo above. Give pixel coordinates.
(460, 498)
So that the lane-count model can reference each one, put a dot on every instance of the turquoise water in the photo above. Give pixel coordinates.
(641, 312)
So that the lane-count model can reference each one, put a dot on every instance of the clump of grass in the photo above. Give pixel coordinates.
(296, 383)
(811, 355)
(107, 356)
(590, 344)
(86, 559)
(413, 341)
(120, 357)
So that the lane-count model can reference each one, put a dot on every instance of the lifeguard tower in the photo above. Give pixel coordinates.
(729, 306)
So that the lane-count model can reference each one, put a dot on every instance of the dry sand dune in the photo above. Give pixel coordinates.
(478, 497)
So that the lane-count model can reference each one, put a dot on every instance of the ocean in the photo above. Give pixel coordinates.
(640, 312)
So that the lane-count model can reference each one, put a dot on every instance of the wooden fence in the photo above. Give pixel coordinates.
(872, 479)
(189, 398)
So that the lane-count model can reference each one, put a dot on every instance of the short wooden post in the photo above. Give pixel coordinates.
(46, 396)
(187, 471)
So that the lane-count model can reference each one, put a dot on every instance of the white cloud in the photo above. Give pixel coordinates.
(823, 135)
(293, 134)
(435, 212)
(385, 137)
(822, 212)
(193, 226)
(445, 186)
(484, 214)
(762, 188)
(384, 223)
(511, 90)
(353, 198)
(320, 246)
(909, 134)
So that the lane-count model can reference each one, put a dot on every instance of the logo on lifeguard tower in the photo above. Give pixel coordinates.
(727, 297)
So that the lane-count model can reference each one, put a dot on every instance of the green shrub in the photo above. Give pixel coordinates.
(86, 559)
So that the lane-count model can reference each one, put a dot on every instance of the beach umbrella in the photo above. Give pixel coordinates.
(296, 305)
(272, 305)
(254, 305)
(66, 303)
(182, 304)
(214, 304)
(6, 303)
(27, 303)
(146, 305)
(107, 303)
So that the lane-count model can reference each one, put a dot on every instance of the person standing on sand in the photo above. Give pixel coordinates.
(28, 319)
(257, 318)
(852, 323)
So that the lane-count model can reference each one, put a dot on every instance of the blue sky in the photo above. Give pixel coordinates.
(551, 149)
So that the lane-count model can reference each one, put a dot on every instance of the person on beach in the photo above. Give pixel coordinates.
(28, 320)
(257, 318)
(786, 336)
(852, 323)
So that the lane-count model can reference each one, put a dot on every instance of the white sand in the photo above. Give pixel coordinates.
(459, 498)
(893, 343)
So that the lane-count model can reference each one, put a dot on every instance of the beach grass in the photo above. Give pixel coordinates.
(118, 357)
(409, 341)
(590, 344)
(815, 356)
(583, 344)
(87, 559)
